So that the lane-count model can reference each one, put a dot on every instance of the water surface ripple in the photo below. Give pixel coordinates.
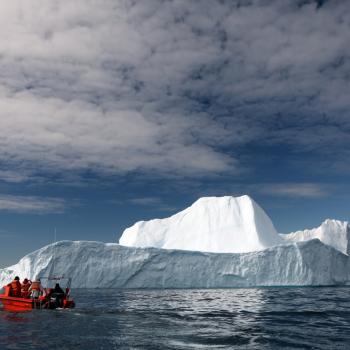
(257, 318)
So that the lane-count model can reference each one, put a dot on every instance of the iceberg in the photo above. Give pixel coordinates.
(331, 232)
(101, 265)
(215, 243)
(211, 224)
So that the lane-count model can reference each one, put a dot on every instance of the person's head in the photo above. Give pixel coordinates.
(25, 281)
(16, 278)
(57, 284)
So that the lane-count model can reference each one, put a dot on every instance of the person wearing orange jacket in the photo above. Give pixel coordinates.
(25, 287)
(16, 287)
(36, 289)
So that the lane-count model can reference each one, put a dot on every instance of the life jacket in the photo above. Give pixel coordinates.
(25, 287)
(36, 286)
(16, 288)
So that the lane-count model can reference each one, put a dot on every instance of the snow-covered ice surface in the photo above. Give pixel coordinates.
(96, 264)
(211, 224)
(331, 232)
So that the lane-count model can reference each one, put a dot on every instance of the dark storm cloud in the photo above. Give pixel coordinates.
(175, 87)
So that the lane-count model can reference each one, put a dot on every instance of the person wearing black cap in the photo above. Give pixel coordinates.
(58, 294)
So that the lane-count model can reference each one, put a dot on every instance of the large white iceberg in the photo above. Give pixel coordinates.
(96, 264)
(221, 242)
(211, 224)
(331, 232)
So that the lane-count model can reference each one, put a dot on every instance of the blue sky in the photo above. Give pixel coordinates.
(117, 111)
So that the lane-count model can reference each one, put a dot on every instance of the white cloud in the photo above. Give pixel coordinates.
(167, 87)
(296, 190)
(79, 135)
(145, 201)
(13, 176)
(27, 204)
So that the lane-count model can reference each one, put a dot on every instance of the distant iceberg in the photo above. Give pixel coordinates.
(216, 243)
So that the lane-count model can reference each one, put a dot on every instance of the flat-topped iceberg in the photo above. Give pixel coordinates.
(217, 242)
(98, 265)
(211, 224)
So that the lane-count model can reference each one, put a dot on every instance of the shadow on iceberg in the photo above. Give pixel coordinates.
(96, 265)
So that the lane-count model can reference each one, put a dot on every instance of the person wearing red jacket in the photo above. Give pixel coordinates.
(16, 287)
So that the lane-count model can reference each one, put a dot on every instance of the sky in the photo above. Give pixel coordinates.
(115, 111)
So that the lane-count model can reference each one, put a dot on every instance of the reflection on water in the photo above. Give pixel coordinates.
(12, 317)
(315, 318)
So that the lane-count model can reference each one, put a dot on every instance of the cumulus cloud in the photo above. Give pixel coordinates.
(78, 135)
(169, 87)
(34, 205)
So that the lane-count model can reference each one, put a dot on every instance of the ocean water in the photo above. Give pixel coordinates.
(256, 318)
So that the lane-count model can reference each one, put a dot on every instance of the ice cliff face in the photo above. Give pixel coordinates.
(331, 232)
(95, 264)
(211, 224)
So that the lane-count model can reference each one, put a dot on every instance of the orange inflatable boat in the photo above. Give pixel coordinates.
(47, 298)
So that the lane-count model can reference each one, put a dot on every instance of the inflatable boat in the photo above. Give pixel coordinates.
(48, 299)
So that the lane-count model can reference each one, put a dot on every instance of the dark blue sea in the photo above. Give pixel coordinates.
(257, 318)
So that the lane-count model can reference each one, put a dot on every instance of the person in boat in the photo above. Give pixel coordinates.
(58, 294)
(16, 287)
(25, 287)
(36, 289)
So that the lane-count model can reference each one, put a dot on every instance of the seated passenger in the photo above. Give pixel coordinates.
(58, 294)
(16, 287)
(8, 290)
(36, 289)
(25, 287)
